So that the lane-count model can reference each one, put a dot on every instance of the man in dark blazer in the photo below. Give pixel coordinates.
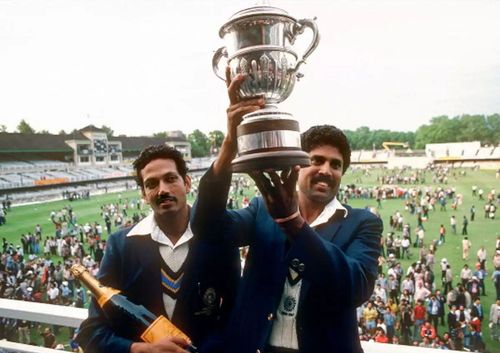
(311, 260)
(159, 263)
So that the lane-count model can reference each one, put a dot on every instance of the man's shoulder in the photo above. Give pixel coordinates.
(120, 234)
(360, 213)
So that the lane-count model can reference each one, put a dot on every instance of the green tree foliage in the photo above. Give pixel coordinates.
(3, 128)
(62, 133)
(25, 128)
(365, 139)
(162, 134)
(216, 137)
(44, 131)
(200, 144)
(108, 130)
(463, 128)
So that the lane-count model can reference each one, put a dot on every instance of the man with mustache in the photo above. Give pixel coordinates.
(160, 264)
(311, 260)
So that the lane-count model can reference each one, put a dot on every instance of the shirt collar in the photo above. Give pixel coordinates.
(148, 226)
(330, 209)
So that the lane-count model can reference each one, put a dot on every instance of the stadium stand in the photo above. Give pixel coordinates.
(87, 154)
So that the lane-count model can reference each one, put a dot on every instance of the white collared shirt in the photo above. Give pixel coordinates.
(328, 212)
(173, 255)
(284, 331)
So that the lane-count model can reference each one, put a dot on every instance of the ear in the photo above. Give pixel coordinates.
(187, 183)
(143, 194)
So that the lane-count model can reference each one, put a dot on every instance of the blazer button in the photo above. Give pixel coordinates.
(270, 317)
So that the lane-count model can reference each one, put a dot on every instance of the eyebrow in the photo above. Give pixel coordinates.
(319, 156)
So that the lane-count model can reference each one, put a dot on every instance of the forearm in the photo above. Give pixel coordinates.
(227, 153)
(95, 335)
(211, 202)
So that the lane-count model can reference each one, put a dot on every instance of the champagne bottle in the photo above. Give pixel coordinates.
(118, 308)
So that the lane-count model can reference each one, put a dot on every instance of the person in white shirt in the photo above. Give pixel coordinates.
(465, 275)
(160, 264)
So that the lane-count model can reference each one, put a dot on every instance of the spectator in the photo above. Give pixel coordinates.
(495, 320)
(428, 331)
(49, 340)
(466, 245)
(465, 222)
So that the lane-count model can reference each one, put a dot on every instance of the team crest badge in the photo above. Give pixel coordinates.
(209, 297)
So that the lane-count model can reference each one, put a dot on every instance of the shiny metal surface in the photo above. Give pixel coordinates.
(259, 40)
(269, 73)
(268, 140)
(259, 44)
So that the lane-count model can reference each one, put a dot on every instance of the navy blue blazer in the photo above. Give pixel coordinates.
(132, 265)
(339, 267)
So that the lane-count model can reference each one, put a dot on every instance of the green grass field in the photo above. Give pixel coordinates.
(482, 231)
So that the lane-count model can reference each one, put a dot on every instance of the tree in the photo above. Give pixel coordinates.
(44, 131)
(62, 133)
(216, 137)
(107, 130)
(493, 124)
(365, 139)
(162, 134)
(3, 128)
(459, 129)
(25, 128)
(200, 144)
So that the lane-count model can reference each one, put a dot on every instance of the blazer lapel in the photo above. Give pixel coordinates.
(330, 229)
(327, 231)
(182, 303)
(148, 256)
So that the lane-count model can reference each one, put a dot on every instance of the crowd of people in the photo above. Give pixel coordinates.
(37, 269)
(411, 306)
(422, 304)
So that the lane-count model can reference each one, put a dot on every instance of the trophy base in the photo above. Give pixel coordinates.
(274, 160)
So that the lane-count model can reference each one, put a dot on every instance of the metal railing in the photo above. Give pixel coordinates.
(72, 317)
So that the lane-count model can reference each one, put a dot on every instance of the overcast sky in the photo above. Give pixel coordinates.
(144, 66)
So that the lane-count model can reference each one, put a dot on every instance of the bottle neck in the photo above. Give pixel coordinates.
(102, 293)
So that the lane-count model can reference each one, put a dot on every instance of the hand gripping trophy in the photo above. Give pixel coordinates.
(258, 45)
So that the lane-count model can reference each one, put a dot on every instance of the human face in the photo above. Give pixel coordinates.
(320, 182)
(164, 188)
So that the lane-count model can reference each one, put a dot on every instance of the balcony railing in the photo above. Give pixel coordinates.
(72, 317)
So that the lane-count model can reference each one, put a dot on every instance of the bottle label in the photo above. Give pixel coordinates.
(161, 328)
(103, 299)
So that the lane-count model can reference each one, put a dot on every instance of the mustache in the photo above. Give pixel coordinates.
(165, 197)
(323, 179)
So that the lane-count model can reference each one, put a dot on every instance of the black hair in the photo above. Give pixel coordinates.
(321, 135)
(160, 151)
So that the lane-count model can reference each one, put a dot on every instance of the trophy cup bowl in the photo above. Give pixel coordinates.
(259, 45)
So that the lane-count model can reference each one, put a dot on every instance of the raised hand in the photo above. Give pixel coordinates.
(238, 107)
(279, 191)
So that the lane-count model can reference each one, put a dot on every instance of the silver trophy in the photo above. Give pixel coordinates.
(259, 44)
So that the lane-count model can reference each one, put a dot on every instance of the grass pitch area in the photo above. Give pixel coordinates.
(481, 231)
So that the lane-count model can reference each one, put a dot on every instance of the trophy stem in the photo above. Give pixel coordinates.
(269, 139)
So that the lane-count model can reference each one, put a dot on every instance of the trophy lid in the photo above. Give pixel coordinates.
(259, 10)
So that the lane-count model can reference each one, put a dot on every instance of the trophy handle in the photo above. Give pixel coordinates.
(299, 28)
(221, 52)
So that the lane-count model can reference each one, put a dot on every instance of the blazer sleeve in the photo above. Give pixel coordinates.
(96, 333)
(212, 220)
(346, 275)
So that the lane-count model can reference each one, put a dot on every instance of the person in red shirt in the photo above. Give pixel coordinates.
(476, 340)
(428, 331)
(419, 313)
(380, 336)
